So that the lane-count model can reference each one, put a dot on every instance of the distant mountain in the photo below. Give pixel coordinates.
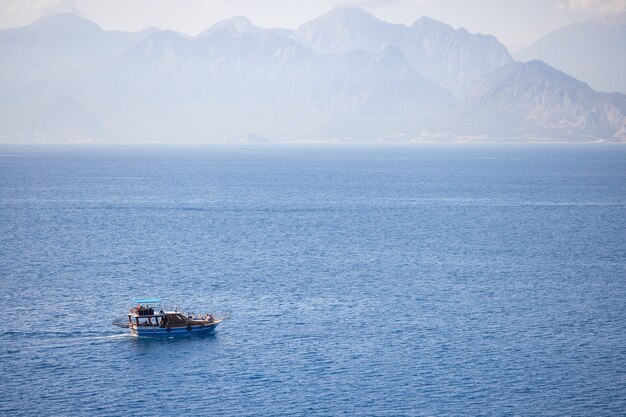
(345, 76)
(242, 25)
(217, 85)
(593, 51)
(452, 58)
(60, 42)
(548, 103)
(45, 66)
(346, 29)
(237, 24)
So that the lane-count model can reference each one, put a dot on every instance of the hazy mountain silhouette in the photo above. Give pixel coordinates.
(452, 58)
(343, 76)
(272, 85)
(593, 51)
(241, 25)
(550, 103)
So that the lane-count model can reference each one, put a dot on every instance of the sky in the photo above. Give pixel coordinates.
(516, 23)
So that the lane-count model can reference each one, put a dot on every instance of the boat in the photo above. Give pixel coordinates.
(145, 321)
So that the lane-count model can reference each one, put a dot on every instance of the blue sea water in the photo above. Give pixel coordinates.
(359, 280)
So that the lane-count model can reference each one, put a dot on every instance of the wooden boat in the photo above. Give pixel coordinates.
(144, 321)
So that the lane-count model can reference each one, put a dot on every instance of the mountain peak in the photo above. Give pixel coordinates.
(427, 20)
(428, 24)
(234, 25)
(345, 29)
(349, 16)
(550, 101)
(537, 67)
(522, 77)
(64, 22)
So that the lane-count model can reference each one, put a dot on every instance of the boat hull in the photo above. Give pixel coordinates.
(153, 331)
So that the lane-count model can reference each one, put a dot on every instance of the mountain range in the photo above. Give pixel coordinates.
(345, 76)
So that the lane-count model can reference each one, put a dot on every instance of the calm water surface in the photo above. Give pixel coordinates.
(361, 280)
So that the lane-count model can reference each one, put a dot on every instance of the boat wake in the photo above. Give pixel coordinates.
(108, 337)
(60, 341)
(77, 340)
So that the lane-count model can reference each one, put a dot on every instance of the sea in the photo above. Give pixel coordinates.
(357, 280)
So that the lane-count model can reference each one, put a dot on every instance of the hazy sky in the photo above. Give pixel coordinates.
(514, 22)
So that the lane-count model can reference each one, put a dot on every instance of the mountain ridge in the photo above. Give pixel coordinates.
(429, 45)
(549, 99)
(235, 80)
